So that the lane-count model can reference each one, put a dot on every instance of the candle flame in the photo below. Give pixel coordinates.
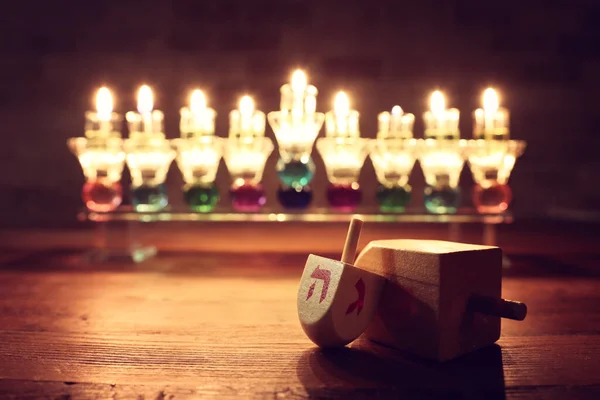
(145, 100)
(490, 101)
(197, 102)
(341, 105)
(437, 102)
(396, 110)
(246, 105)
(299, 81)
(104, 104)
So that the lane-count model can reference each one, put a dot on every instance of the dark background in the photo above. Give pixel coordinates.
(543, 56)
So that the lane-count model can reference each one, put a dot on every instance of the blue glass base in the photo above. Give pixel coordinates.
(443, 200)
(149, 198)
(295, 197)
(296, 172)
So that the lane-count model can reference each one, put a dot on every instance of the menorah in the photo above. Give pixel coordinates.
(441, 153)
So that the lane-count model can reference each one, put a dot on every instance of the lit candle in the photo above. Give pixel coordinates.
(146, 123)
(491, 122)
(298, 93)
(441, 123)
(145, 106)
(342, 121)
(395, 125)
(246, 112)
(104, 107)
(246, 121)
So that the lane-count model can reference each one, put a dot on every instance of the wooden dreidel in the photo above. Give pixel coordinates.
(336, 300)
(442, 299)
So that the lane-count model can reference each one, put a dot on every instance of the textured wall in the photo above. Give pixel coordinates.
(543, 56)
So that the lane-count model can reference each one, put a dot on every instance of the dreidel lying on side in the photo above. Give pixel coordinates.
(441, 299)
(336, 300)
(434, 299)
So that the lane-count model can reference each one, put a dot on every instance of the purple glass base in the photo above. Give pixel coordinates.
(247, 197)
(344, 197)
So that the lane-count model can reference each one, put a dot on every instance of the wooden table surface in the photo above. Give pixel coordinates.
(224, 325)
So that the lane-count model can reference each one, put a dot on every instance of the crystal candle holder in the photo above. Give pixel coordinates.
(198, 160)
(393, 160)
(295, 138)
(442, 162)
(343, 158)
(245, 158)
(102, 162)
(491, 162)
(149, 161)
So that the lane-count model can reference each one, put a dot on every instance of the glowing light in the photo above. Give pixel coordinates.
(104, 104)
(437, 103)
(490, 101)
(197, 103)
(246, 106)
(396, 110)
(145, 100)
(299, 81)
(341, 104)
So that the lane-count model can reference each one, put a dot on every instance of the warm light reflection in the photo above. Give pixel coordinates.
(341, 105)
(197, 103)
(145, 100)
(246, 106)
(299, 81)
(490, 101)
(396, 110)
(104, 104)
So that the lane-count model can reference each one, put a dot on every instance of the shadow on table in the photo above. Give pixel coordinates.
(367, 370)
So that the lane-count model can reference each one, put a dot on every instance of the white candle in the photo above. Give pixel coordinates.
(104, 108)
(298, 86)
(383, 126)
(341, 111)
(145, 106)
(396, 120)
(246, 113)
(491, 122)
(198, 111)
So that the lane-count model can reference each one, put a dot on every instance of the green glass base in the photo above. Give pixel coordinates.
(393, 199)
(443, 200)
(201, 198)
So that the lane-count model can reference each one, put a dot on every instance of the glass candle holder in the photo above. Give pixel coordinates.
(295, 135)
(102, 162)
(245, 158)
(343, 158)
(198, 160)
(393, 160)
(491, 163)
(149, 161)
(442, 162)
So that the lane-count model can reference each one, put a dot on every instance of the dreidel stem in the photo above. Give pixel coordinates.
(497, 307)
(352, 241)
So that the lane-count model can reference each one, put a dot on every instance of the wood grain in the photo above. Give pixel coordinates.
(225, 326)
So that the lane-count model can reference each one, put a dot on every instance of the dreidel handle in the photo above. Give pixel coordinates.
(497, 307)
(351, 243)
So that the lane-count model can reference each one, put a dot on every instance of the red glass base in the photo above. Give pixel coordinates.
(493, 199)
(344, 197)
(102, 195)
(247, 197)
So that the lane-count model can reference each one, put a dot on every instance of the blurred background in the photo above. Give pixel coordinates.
(543, 56)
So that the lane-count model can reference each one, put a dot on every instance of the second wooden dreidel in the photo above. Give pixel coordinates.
(441, 299)
(336, 301)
